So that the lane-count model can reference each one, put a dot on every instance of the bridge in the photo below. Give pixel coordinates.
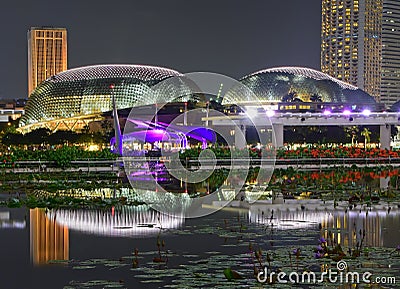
(278, 120)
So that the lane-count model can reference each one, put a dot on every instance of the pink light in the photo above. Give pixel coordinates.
(327, 112)
(366, 112)
(346, 112)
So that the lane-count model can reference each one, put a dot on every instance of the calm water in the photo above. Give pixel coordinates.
(100, 244)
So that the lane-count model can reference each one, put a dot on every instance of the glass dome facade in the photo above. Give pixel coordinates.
(395, 107)
(287, 84)
(88, 90)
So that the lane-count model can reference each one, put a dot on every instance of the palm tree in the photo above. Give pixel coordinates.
(367, 136)
(290, 97)
(315, 98)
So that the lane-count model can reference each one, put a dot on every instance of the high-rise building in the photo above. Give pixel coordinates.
(390, 83)
(360, 45)
(47, 54)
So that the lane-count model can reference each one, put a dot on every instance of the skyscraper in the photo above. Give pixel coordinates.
(390, 83)
(360, 45)
(47, 54)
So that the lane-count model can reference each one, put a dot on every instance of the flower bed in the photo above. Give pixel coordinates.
(315, 152)
(337, 175)
(336, 152)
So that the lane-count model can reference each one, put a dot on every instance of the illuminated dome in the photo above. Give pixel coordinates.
(87, 91)
(395, 107)
(287, 84)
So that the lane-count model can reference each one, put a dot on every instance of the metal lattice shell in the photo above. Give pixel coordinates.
(274, 84)
(86, 91)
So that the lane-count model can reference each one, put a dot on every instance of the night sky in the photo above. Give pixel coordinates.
(229, 37)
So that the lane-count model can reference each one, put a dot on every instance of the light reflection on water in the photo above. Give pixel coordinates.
(56, 235)
(345, 226)
(7, 223)
(132, 222)
(49, 230)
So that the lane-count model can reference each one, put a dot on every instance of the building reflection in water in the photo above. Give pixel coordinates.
(285, 219)
(132, 222)
(346, 227)
(48, 239)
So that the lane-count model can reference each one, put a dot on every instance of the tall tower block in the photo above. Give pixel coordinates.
(47, 54)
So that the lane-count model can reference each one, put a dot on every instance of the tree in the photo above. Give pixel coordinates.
(367, 136)
(289, 97)
(62, 137)
(11, 138)
(37, 136)
(352, 131)
(315, 98)
(107, 130)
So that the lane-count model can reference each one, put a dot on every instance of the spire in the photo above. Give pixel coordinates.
(117, 128)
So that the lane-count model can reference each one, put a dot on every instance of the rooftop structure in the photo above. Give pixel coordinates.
(84, 93)
(296, 85)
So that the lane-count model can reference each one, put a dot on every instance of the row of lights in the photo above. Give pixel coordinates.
(346, 112)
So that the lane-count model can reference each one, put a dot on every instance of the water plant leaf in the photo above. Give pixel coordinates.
(83, 267)
(231, 274)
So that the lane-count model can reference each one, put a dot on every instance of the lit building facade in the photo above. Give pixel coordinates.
(71, 99)
(292, 85)
(390, 83)
(351, 42)
(360, 45)
(47, 54)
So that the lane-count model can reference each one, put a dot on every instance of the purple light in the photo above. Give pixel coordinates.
(366, 112)
(327, 112)
(346, 112)
(270, 113)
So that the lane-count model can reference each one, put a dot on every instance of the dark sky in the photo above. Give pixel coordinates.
(229, 37)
